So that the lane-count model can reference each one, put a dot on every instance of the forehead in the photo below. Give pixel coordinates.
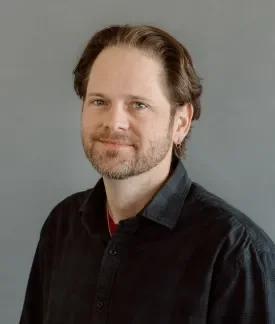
(124, 69)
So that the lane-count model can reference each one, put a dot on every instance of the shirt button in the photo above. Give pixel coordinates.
(112, 252)
(99, 304)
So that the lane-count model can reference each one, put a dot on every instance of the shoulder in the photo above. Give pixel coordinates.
(64, 213)
(237, 237)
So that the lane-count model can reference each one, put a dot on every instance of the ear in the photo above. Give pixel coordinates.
(182, 124)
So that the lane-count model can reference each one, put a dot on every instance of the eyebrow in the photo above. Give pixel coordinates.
(133, 97)
(96, 94)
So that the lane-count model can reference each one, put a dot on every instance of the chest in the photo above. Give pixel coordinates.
(157, 281)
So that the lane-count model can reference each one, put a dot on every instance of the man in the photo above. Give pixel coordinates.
(145, 245)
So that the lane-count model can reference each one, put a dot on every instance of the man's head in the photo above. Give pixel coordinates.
(138, 87)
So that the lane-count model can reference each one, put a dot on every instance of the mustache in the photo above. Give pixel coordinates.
(117, 137)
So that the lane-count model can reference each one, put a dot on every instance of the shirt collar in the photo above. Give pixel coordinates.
(166, 205)
(164, 208)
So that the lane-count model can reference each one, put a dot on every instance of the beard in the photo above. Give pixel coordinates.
(120, 163)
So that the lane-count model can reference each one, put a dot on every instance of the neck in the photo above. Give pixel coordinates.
(125, 198)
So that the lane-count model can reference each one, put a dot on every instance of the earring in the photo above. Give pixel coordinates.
(178, 146)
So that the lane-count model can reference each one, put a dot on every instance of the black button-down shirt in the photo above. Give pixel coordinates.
(187, 257)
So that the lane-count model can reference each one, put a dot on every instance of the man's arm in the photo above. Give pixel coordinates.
(245, 292)
(32, 307)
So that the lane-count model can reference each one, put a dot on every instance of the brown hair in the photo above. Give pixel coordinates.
(182, 82)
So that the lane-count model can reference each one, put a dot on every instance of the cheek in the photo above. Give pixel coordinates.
(87, 122)
(148, 134)
(157, 128)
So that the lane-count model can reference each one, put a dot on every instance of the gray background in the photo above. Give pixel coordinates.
(232, 148)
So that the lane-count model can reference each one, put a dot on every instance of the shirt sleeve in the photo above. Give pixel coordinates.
(245, 292)
(32, 307)
(37, 290)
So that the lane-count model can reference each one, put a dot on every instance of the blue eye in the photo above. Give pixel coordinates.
(139, 105)
(97, 102)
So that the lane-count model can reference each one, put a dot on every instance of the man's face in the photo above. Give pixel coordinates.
(125, 104)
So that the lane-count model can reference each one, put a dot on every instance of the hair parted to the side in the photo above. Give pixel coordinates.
(181, 82)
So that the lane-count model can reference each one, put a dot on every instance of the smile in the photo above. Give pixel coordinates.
(114, 144)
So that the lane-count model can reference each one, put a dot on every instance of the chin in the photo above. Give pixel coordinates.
(114, 174)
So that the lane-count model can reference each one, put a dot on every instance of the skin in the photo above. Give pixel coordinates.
(126, 104)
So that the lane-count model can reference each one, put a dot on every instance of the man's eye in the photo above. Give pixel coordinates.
(97, 102)
(139, 105)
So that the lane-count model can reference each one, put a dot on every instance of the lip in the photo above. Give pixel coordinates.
(114, 144)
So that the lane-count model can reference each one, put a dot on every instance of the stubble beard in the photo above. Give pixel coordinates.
(113, 164)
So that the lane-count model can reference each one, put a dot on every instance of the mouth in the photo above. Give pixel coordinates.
(110, 143)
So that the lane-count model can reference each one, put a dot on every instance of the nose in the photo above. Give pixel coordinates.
(116, 118)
